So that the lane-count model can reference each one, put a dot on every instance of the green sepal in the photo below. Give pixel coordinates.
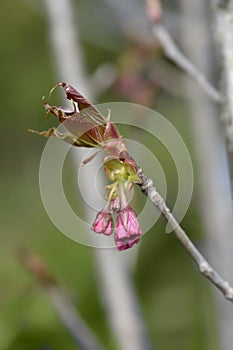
(115, 169)
(118, 170)
(132, 174)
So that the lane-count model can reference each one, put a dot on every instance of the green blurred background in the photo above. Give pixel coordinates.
(176, 301)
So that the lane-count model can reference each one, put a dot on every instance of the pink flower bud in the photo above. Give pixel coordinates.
(103, 223)
(115, 205)
(111, 132)
(123, 246)
(127, 230)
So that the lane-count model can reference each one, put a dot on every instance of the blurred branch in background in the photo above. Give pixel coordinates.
(102, 78)
(175, 54)
(214, 188)
(66, 311)
(132, 22)
(115, 287)
(224, 36)
(65, 42)
(224, 32)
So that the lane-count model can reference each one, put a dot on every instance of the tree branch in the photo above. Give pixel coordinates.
(175, 54)
(102, 78)
(204, 267)
(224, 36)
(66, 311)
(209, 149)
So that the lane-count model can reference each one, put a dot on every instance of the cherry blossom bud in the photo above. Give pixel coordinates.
(103, 223)
(115, 205)
(127, 231)
(124, 246)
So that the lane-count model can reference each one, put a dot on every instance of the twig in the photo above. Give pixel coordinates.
(205, 268)
(102, 78)
(73, 322)
(176, 55)
(224, 36)
(66, 311)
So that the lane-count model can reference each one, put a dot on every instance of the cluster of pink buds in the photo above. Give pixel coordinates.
(127, 229)
(123, 171)
(87, 127)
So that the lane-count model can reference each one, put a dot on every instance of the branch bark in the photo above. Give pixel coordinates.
(204, 267)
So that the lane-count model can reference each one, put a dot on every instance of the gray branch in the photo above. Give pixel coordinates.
(65, 309)
(71, 319)
(204, 267)
(175, 54)
(212, 187)
(224, 36)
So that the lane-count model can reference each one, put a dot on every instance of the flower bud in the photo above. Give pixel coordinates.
(103, 223)
(115, 205)
(124, 246)
(128, 230)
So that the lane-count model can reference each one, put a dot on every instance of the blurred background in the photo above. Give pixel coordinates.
(120, 60)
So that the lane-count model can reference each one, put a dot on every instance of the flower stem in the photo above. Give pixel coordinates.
(123, 199)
